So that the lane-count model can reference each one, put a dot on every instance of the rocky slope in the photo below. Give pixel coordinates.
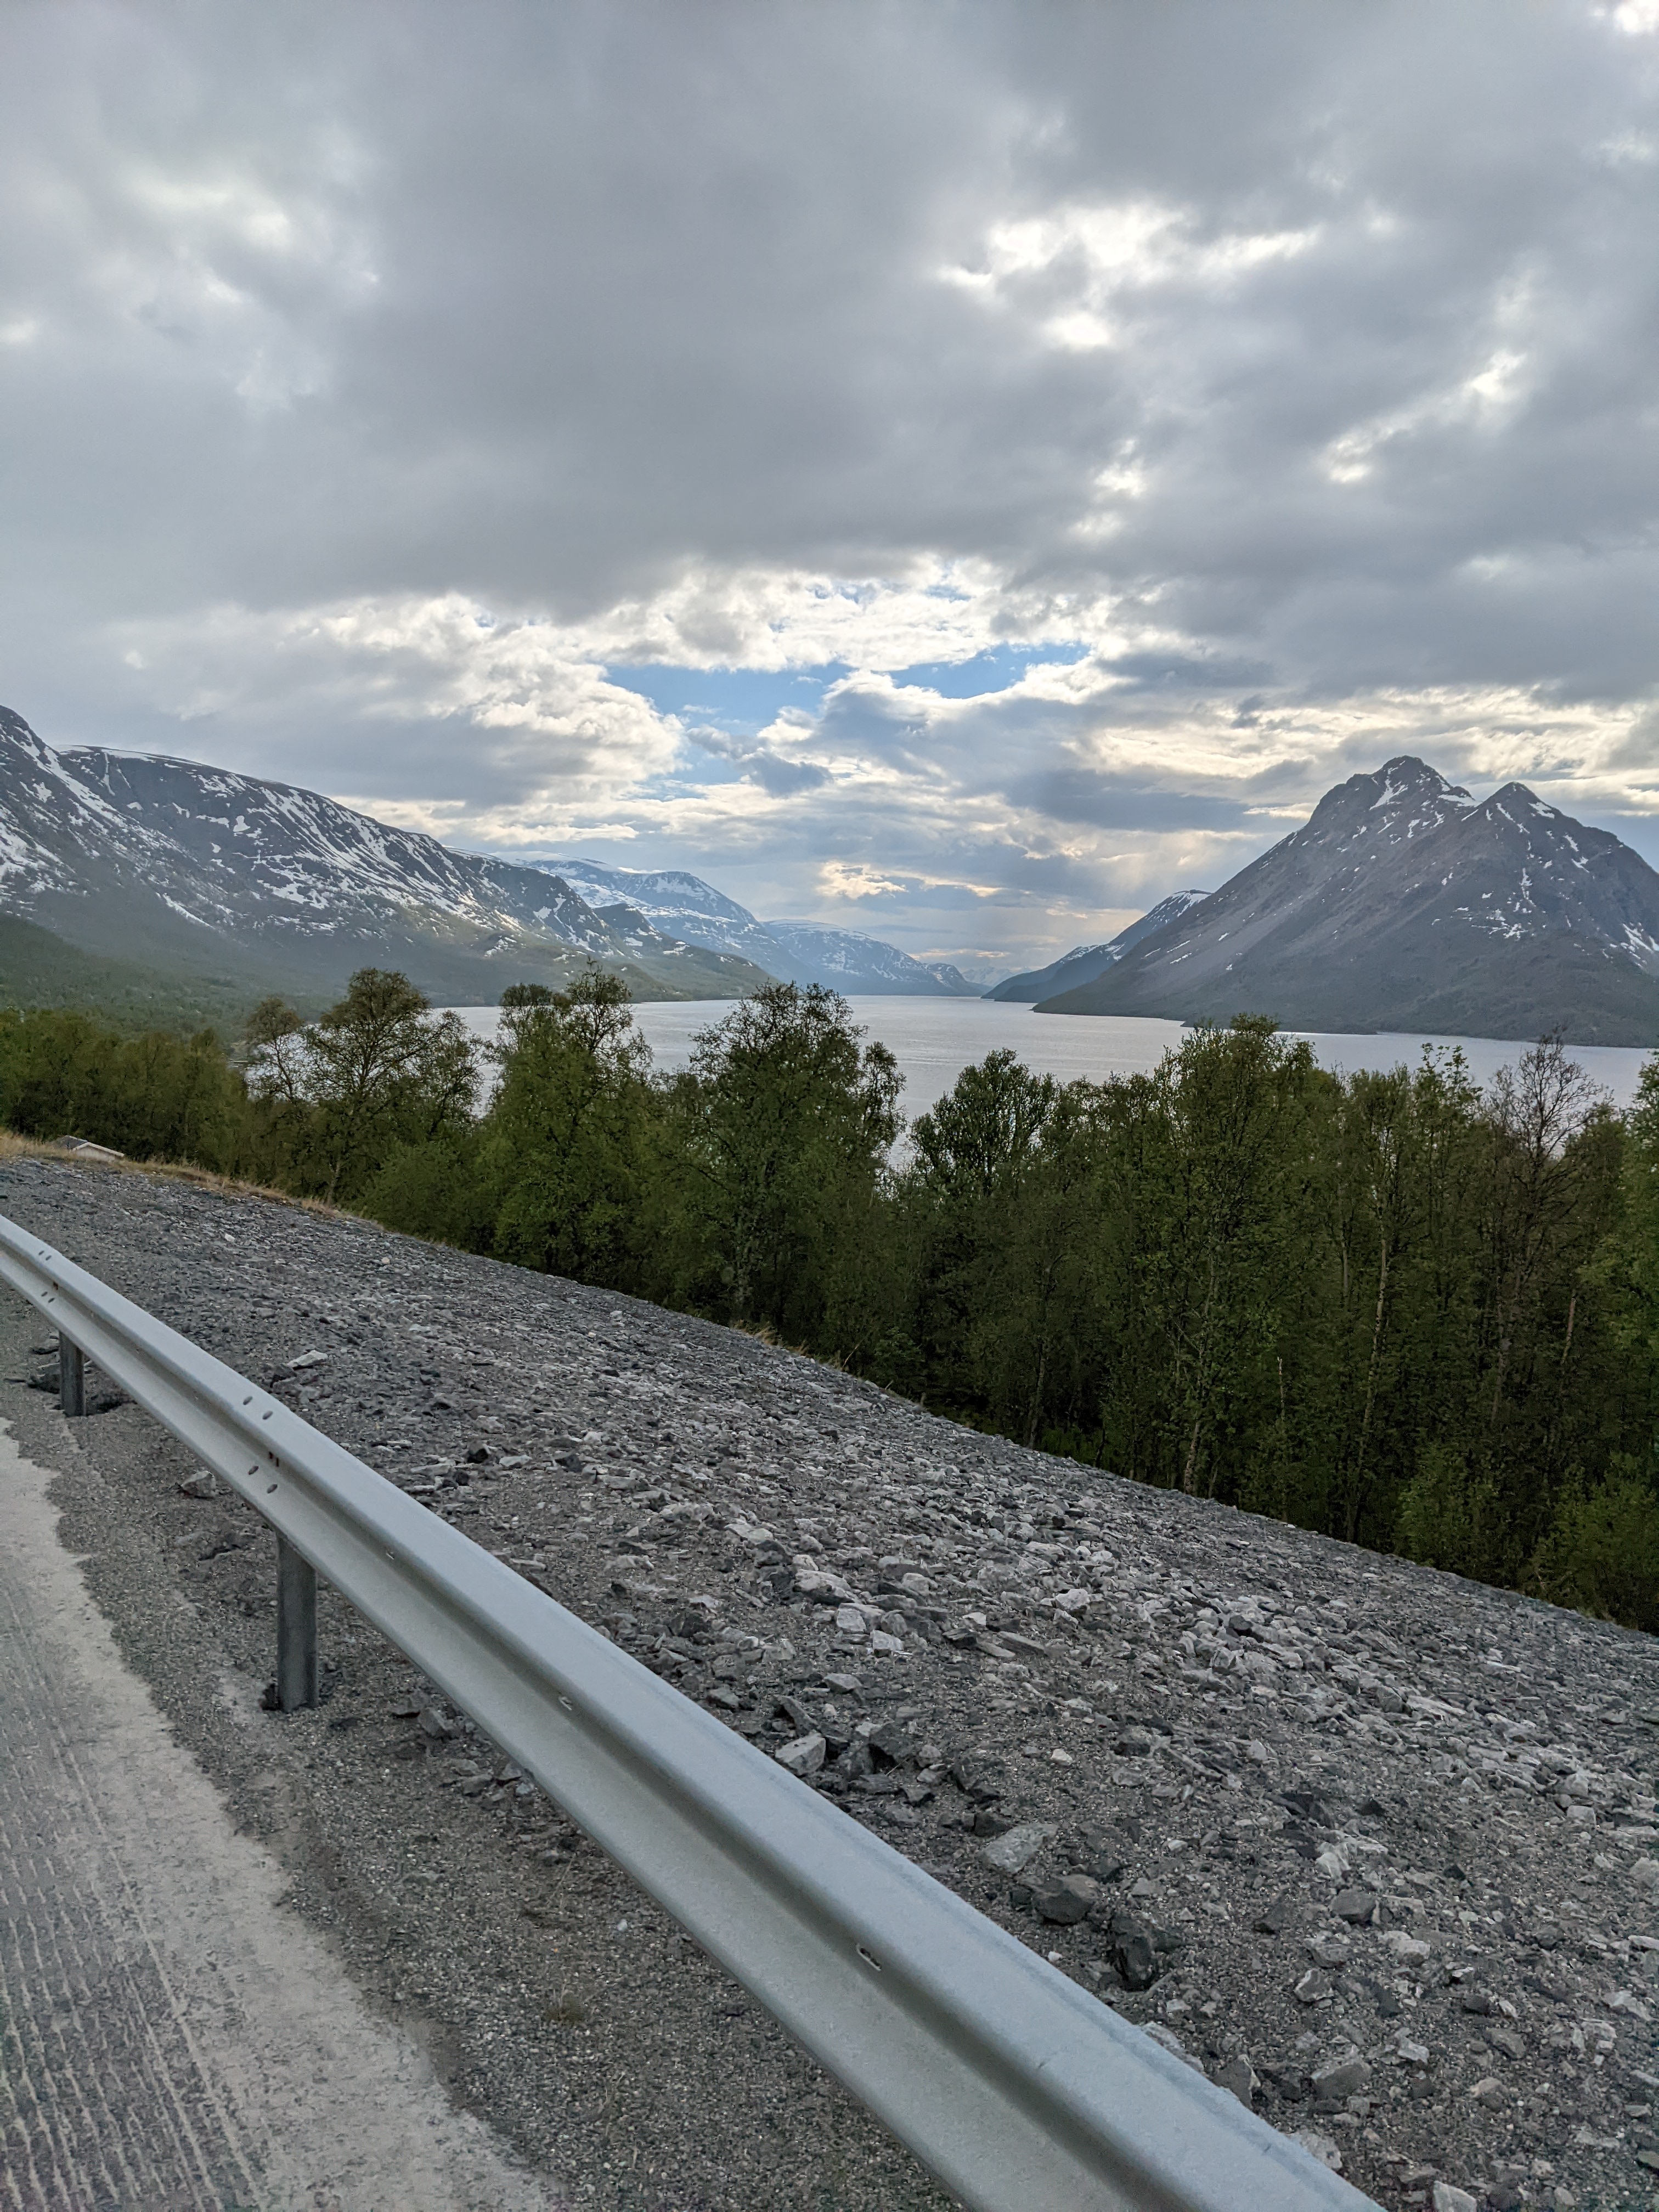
(189, 869)
(1374, 1846)
(1405, 904)
(1084, 964)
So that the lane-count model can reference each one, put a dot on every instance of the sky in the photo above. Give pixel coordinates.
(959, 472)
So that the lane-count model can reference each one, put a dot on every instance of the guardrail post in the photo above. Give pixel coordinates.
(71, 1375)
(296, 1629)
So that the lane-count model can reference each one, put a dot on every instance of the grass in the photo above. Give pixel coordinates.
(14, 1147)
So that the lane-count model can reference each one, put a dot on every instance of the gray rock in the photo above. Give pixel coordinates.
(1133, 1953)
(805, 1755)
(1013, 1852)
(1320, 2147)
(1351, 2077)
(1314, 1987)
(1238, 2075)
(1447, 2198)
(1357, 1906)
(1169, 2041)
(1066, 1901)
(205, 1483)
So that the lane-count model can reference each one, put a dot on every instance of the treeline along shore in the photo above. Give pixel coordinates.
(1393, 1308)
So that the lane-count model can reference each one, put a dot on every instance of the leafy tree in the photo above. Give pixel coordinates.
(781, 1130)
(567, 1148)
(973, 1158)
(153, 1097)
(373, 1075)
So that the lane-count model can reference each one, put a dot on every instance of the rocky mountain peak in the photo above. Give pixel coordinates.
(1404, 903)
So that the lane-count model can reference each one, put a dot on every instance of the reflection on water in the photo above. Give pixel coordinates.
(934, 1039)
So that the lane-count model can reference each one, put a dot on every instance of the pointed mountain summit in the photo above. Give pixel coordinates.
(1404, 904)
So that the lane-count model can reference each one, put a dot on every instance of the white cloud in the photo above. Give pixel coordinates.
(378, 386)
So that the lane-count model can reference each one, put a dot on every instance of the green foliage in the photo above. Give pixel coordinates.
(152, 1096)
(567, 1150)
(42, 971)
(1448, 1514)
(372, 1076)
(778, 1134)
(435, 1189)
(1387, 1307)
(1602, 1551)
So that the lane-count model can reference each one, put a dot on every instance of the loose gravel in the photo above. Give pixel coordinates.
(1371, 1845)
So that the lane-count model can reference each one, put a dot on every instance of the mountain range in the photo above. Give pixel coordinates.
(1085, 963)
(795, 951)
(148, 882)
(1404, 904)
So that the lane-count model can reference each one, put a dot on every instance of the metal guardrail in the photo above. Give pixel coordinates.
(1019, 2091)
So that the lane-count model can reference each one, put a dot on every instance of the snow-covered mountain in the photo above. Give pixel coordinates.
(947, 972)
(858, 965)
(797, 951)
(1404, 904)
(1084, 963)
(680, 904)
(185, 868)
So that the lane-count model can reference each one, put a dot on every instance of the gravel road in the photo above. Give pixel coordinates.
(1373, 1846)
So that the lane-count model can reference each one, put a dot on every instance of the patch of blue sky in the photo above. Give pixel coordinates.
(743, 701)
(997, 669)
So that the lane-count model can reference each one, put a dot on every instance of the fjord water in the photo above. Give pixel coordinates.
(934, 1039)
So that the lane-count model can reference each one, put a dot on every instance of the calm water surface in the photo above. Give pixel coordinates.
(934, 1039)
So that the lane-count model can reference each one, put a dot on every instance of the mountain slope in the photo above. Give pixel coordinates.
(1403, 903)
(797, 951)
(201, 873)
(847, 961)
(1084, 963)
(673, 901)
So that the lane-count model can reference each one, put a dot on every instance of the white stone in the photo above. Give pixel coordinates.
(1409, 1950)
(1320, 2146)
(805, 1755)
(1013, 1853)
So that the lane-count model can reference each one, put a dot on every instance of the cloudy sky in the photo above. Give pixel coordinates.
(957, 470)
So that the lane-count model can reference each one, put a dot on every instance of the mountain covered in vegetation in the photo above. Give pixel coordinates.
(1404, 904)
(228, 886)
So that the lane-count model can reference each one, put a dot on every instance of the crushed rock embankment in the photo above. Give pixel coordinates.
(1372, 1845)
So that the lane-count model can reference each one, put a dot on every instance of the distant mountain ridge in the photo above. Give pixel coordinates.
(195, 872)
(1404, 903)
(796, 951)
(1084, 963)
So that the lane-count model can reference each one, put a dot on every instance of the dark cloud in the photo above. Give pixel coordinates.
(356, 365)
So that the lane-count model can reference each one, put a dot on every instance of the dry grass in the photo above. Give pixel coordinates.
(14, 1147)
